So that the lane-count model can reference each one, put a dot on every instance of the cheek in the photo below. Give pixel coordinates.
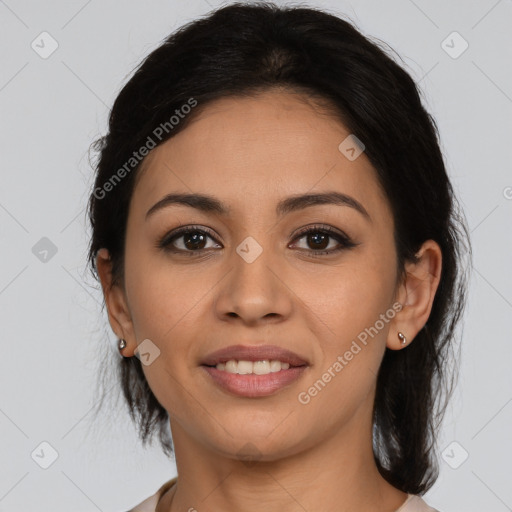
(344, 300)
(349, 311)
(352, 342)
(164, 303)
(167, 302)
(161, 295)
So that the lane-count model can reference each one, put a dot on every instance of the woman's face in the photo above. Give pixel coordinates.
(247, 276)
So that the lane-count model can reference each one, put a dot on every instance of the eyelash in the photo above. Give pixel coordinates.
(344, 241)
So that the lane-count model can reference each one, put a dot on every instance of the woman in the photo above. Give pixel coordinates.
(279, 249)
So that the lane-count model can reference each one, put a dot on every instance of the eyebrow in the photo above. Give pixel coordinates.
(210, 204)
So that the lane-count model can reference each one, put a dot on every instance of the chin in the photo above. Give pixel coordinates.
(256, 444)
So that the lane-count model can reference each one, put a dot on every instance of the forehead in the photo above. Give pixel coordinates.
(254, 150)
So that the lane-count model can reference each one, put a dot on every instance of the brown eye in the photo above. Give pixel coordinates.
(319, 238)
(194, 240)
(318, 241)
(186, 240)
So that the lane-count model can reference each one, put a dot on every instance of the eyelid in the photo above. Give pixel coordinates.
(319, 227)
(165, 240)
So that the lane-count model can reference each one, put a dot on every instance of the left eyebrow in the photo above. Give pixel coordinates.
(210, 204)
(294, 203)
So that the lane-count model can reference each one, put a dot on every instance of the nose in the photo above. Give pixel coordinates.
(254, 291)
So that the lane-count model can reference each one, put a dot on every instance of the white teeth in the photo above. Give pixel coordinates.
(231, 367)
(245, 367)
(262, 367)
(248, 367)
(275, 366)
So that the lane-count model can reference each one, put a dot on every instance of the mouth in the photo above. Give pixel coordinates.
(254, 371)
(252, 354)
(245, 367)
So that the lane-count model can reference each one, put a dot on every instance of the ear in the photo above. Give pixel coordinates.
(416, 294)
(117, 306)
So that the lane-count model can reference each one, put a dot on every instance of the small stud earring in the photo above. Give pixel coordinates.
(122, 344)
(402, 338)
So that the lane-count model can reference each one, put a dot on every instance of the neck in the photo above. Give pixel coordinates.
(338, 474)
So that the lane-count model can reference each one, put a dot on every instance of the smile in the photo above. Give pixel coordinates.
(249, 367)
(241, 378)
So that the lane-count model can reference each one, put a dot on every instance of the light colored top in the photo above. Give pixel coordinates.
(413, 503)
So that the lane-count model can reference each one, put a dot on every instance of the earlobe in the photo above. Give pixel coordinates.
(115, 300)
(416, 293)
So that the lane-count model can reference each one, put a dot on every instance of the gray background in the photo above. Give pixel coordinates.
(52, 329)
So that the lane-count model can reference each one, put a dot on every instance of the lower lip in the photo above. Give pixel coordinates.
(254, 385)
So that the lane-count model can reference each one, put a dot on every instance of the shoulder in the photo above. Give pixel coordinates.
(415, 504)
(149, 504)
(412, 504)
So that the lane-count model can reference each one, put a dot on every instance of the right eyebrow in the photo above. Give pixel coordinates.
(201, 202)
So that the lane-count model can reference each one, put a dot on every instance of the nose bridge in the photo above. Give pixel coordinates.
(251, 262)
(253, 289)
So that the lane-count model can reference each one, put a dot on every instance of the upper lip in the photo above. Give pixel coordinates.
(253, 353)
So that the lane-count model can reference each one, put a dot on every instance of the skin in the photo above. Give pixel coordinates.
(250, 153)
